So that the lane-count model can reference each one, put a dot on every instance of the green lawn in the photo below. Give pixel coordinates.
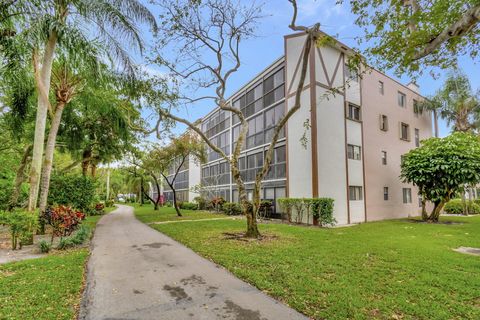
(383, 270)
(146, 214)
(45, 288)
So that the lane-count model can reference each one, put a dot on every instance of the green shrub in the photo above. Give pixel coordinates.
(45, 246)
(188, 206)
(77, 239)
(322, 209)
(21, 225)
(109, 203)
(455, 206)
(232, 208)
(201, 203)
(75, 191)
(168, 204)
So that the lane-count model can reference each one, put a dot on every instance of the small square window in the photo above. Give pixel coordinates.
(381, 87)
(353, 112)
(355, 193)
(354, 152)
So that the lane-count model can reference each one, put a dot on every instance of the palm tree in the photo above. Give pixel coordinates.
(70, 24)
(456, 103)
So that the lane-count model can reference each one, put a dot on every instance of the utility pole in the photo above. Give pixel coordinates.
(108, 183)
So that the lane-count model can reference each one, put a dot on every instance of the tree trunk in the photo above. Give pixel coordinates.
(424, 209)
(175, 204)
(20, 177)
(87, 157)
(41, 119)
(49, 153)
(434, 216)
(93, 169)
(48, 162)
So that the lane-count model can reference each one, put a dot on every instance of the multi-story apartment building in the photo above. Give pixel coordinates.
(346, 146)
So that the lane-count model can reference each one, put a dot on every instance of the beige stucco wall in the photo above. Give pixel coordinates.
(377, 175)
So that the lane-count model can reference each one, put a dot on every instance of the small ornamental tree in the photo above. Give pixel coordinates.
(170, 160)
(441, 167)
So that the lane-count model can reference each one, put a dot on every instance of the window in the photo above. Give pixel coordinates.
(354, 152)
(417, 138)
(407, 195)
(420, 201)
(404, 131)
(416, 108)
(380, 87)
(385, 193)
(402, 100)
(383, 122)
(384, 157)
(353, 112)
(355, 193)
(402, 157)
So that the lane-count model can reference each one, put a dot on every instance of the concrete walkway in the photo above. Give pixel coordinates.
(136, 272)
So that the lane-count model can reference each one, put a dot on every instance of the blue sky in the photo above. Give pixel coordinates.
(258, 53)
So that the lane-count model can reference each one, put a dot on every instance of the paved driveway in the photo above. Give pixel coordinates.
(136, 272)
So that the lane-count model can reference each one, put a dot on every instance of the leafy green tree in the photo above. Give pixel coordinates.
(408, 35)
(170, 160)
(73, 25)
(441, 167)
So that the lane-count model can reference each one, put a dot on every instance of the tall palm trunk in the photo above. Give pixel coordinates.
(43, 86)
(49, 152)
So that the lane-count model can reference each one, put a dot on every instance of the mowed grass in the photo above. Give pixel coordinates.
(383, 270)
(45, 288)
(146, 214)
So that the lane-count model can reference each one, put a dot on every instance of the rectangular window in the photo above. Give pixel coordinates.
(404, 131)
(384, 157)
(385, 193)
(416, 109)
(402, 99)
(417, 138)
(420, 201)
(407, 195)
(353, 112)
(354, 152)
(380, 87)
(355, 193)
(383, 122)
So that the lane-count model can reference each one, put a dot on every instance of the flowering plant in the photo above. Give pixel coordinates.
(63, 220)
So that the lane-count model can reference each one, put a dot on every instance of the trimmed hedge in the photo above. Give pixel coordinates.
(232, 208)
(76, 191)
(455, 206)
(320, 209)
(188, 206)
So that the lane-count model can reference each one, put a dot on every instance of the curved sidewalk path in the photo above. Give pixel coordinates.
(136, 272)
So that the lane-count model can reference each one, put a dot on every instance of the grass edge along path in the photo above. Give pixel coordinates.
(45, 288)
(395, 269)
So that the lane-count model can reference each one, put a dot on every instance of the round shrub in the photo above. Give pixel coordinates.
(455, 206)
(188, 206)
(232, 208)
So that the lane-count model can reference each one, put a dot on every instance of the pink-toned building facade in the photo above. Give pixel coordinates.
(355, 138)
